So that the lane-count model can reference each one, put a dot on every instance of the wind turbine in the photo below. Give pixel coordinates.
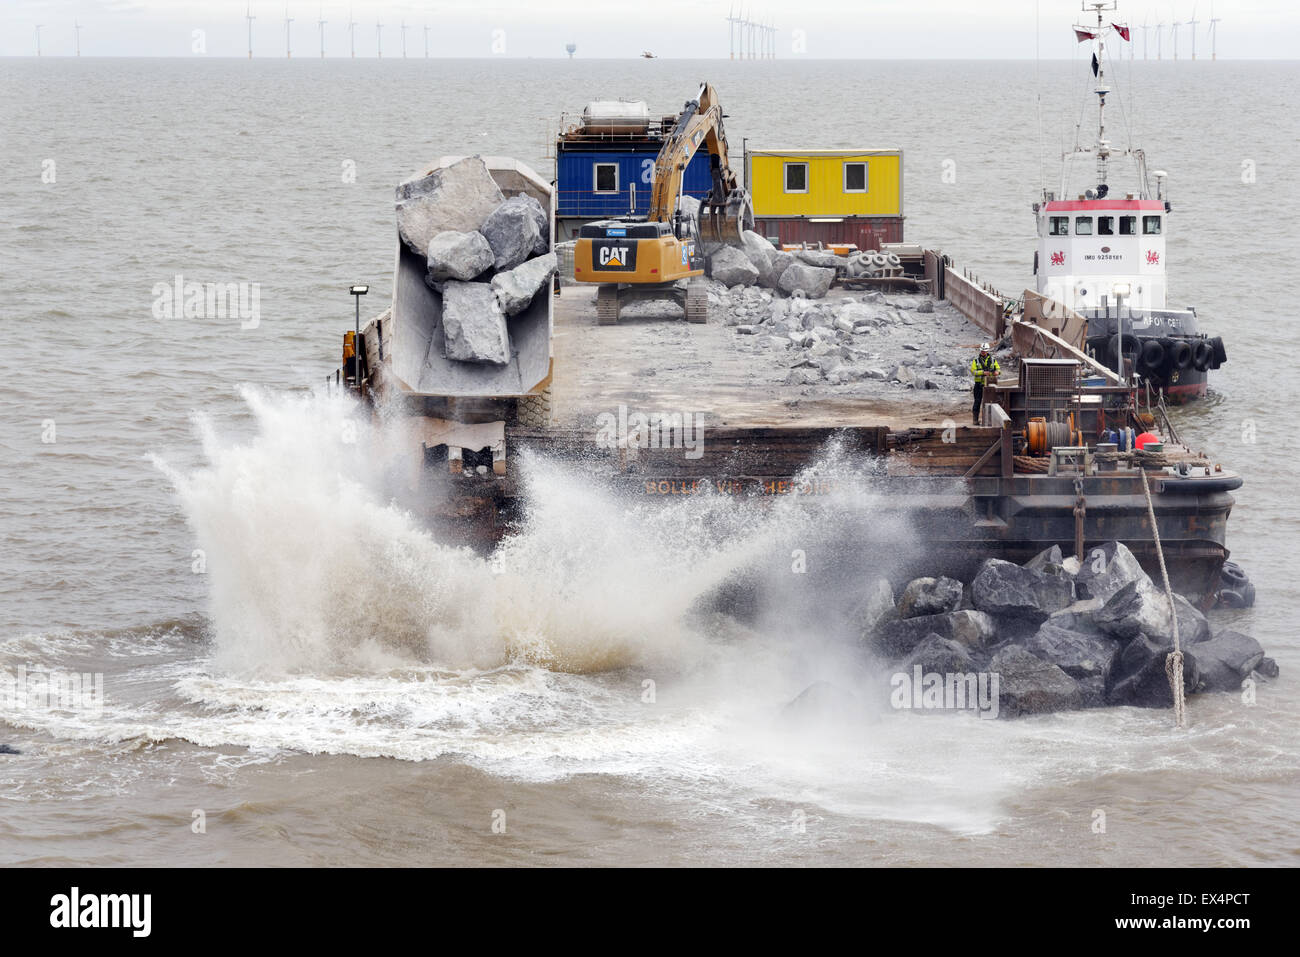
(426, 41)
(248, 15)
(77, 26)
(38, 38)
(1192, 23)
(1214, 34)
(731, 33)
(379, 38)
(1160, 40)
(1146, 25)
(352, 33)
(1175, 27)
(288, 46)
(403, 28)
(321, 24)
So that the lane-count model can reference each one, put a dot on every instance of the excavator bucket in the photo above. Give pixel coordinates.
(727, 222)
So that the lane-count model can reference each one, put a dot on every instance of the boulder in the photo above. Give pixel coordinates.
(5, 749)
(1226, 660)
(1050, 557)
(935, 653)
(731, 266)
(1106, 569)
(457, 198)
(974, 629)
(1078, 617)
(511, 230)
(758, 250)
(1004, 588)
(543, 243)
(1268, 668)
(473, 324)
(1078, 655)
(820, 258)
(812, 281)
(1140, 607)
(1137, 675)
(1029, 685)
(777, 265)
(897, 637)
(456, 255)
(929, 596)
(516, 287)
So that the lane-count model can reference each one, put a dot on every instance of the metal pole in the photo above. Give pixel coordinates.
(356, 352)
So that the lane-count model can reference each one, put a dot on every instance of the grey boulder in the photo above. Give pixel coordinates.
(457, 198)
(731, 266)
(1226, 660)
(1137, 675)
(473, 324)
(1078, 655)
(1029, 685)
(516, 287)
(1141, 608)
(929, 596)
(457, 255)
(1004, 588)
(935, 653)
(812, 281)
(1106, 569)
(511, 230)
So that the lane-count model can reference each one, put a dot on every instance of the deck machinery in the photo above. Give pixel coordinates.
(644, 258)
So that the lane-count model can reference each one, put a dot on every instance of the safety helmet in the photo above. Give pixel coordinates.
(984, 347)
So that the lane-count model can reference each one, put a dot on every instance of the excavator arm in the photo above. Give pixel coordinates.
(726, 212)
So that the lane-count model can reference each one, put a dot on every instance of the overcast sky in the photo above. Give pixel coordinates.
(997, 29)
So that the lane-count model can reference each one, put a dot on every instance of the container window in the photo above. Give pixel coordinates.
(1151, 225)
(1128, 225)
(1105, 225)
(796, 177)
(605, 177)
(855, 177)
(1083, 225)
(1058, 226)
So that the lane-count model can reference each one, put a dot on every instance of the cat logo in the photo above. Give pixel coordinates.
(620, 257)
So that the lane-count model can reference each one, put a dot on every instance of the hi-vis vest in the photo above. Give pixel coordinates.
(983, 369)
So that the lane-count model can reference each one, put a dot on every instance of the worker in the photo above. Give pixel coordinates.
(983, 367)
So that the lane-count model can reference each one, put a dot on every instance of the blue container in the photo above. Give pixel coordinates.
(575, 180)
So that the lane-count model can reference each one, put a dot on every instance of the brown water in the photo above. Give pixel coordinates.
(336, 686)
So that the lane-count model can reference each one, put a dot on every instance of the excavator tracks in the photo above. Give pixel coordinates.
(607, 305)
(697, 303)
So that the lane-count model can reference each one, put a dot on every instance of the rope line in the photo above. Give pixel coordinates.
(1174, 660)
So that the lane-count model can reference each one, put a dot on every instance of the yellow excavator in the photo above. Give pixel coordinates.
(643, 258)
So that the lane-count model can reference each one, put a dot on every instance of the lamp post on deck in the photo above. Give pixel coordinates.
(357, 291)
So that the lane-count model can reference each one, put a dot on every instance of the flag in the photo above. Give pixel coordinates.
(1082, 35)
(1095, 64)
(1122, 31)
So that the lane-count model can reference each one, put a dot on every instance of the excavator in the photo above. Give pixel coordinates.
(636, 259)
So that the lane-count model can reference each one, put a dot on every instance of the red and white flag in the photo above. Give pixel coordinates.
(1082, 35)
(1122, 31)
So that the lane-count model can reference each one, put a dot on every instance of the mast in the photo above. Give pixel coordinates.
(1103, 146)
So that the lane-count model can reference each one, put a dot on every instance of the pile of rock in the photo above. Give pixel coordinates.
(1059, 635)
(487, 255)
(757, 262)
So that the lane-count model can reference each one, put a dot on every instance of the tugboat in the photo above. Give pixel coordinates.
(1101, 252)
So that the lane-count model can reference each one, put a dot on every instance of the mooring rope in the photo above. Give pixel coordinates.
(1174, 660)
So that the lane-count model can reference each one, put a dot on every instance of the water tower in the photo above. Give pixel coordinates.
(571, 49)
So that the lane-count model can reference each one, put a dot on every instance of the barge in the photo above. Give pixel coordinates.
(1054, 460)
